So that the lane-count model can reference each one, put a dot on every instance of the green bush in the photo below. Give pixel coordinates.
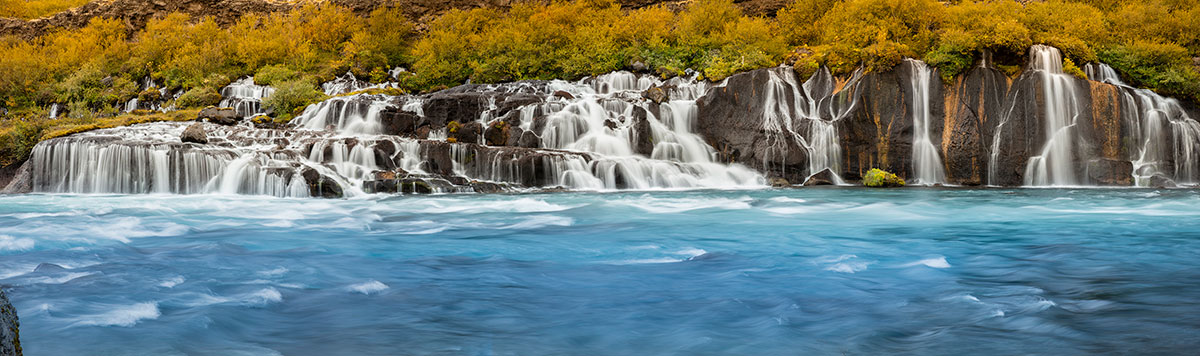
(274, 74)
(197, 98)
(878, 178)
(292, 95)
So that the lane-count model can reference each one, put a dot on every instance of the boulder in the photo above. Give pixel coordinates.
(487, 187)
(564, 95)
(529, 140)
(10, 333)
(1158, 180)
(468, 132)
(220, 116)
(877, 178)
(400, 123)
(415, 186)
(777, 182)
(497, 133)
(1110, 172)
(824, 177)
(194, 133)
(656, 94)
(321, 186)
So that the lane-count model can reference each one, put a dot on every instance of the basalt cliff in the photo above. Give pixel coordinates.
(626, 130)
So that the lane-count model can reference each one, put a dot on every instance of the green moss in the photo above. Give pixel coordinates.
(878, 178)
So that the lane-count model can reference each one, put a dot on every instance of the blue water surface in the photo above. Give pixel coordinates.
(771, 272)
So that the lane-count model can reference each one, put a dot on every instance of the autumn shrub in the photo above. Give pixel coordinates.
(291, 95)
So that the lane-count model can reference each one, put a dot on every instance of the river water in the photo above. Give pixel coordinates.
(748, 272)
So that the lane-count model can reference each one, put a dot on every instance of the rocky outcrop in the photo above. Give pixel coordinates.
(219, 116)
(824, 177)
(194, 133)
(974, 105)
(731, 120)
(10, 335)
(878, 132)
(20, 181)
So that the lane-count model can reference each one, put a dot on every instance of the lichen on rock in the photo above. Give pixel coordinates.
(878, 178)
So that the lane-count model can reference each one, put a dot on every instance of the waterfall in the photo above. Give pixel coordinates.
(245, 96)
(783, 118)
(927, 163)
(1055, 164)
(1163, 139)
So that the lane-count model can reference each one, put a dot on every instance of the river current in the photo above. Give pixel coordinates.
(746, 272)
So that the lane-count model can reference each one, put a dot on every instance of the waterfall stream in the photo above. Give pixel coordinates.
(245, 96)
(1162, 139)
(927, 163)
(1055, 163)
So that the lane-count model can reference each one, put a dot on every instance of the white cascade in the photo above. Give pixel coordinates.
(245, 96)
(1165, 140)
(927, 163)
(1054, 165)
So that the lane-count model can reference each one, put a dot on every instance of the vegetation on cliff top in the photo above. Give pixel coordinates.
(96, 68)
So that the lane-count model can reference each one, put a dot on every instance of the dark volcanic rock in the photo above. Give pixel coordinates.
(497, 133)
(194, 133)
(529, 139)
(878, 131)
(974, 106)
(643, 140)
(10, 334)
(400, 123)
(468, 132)
(824, 177)
(443, 107)
(220, 116)
(656, 94)
(1160, 181)
(731, 120)
(1110, 172)
(321, 186)
(16, 179)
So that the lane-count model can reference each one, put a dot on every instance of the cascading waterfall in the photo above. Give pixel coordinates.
(245, 96)
(783, 116)
(927, 163)
(1165, 140)
(1055, 164)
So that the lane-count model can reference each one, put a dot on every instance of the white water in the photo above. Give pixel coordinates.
(1165, 140)
(1055, 165)
(927, 163)
(588, 143)
(245, 96)
(784, 118)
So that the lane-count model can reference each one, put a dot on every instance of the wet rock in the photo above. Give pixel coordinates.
(16, 179)
(454, 105)
(194, 133)
(656, 94)
(777, 182)
(730, 119)
(529, 140)
(382, 186)
(219, 116)
(10, 325)
(643, 140)
(468, 132)
(638, 66)
(1158, 180)
(415, 186)
(321, 186)
(400, 123)
(878, 131)
(497, 133)
(824, 177)
(564, 95)
(488, 187)
(973, 107)
(1110, 172)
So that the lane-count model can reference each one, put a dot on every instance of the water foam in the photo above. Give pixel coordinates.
(124, 316)
(368, 288)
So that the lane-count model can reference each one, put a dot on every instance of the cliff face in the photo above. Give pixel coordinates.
(1040, 128)
(10, 341)
(135, 13)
